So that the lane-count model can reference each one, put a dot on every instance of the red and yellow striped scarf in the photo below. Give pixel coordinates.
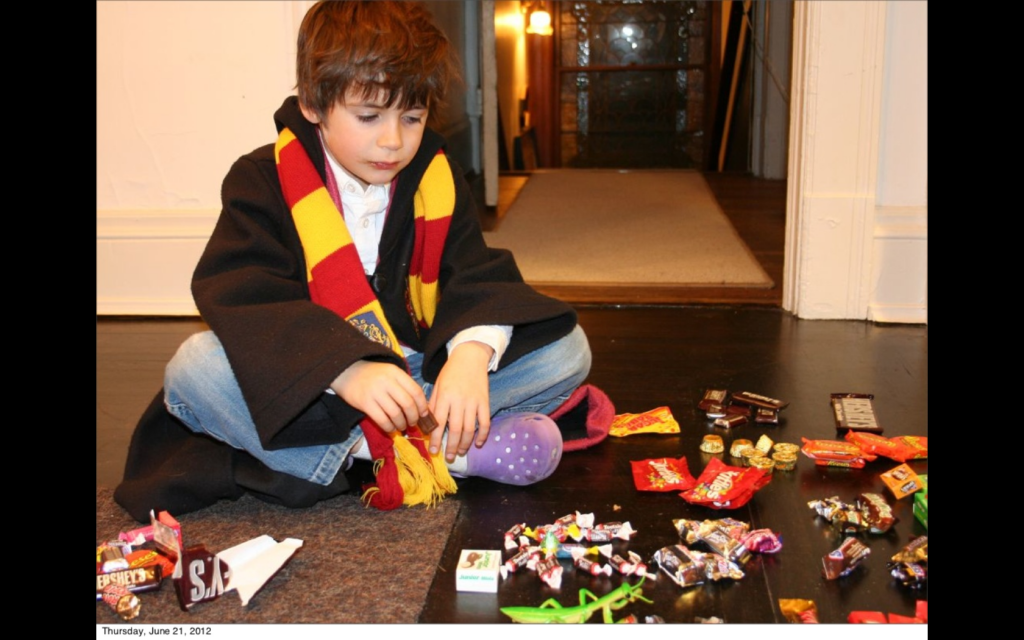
(406, 472)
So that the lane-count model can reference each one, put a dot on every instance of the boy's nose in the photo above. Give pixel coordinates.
(391, 136)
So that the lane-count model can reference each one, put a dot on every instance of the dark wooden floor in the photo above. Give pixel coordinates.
(646, 357)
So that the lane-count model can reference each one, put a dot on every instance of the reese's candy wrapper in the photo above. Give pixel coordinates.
(902, 481)
(662, 474)
(917, 445)
(835, 451)
(659, 420)
(900, 448)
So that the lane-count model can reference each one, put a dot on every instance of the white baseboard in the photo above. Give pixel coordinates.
(898, 314)
(145, 259)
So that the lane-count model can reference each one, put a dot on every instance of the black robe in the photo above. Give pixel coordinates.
(250, 288)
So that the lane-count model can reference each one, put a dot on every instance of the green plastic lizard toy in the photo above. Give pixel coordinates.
(552, 612)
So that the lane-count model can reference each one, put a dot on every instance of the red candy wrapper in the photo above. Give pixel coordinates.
(662, 474)
(722, 486)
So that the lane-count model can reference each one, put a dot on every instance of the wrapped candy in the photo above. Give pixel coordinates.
(798, 610)
(722, 486)
(847, 557)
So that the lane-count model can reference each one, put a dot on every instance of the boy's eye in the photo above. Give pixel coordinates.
(413, 119)
(367, 118)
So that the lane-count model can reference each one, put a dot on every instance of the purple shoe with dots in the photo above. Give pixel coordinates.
(521, 449)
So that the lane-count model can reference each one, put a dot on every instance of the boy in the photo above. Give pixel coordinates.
(351, 298)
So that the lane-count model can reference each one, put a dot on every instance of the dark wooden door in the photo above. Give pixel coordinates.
(631, 86)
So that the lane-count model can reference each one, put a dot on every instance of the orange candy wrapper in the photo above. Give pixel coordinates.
(835, 451)
(900, 448)
(658, 420)
(902, 481)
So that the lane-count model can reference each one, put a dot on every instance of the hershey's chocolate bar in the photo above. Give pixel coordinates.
(854, 412)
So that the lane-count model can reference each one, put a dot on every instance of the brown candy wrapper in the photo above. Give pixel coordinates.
(854, 411)
(850, 554)
(427, 422)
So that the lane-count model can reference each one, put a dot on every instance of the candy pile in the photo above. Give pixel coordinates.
(731, 543)
(137, 561)
(575, 537)
(733, 410)
(730, 537)
(869, 513)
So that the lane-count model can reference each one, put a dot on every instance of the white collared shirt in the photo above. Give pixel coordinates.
(364, 214)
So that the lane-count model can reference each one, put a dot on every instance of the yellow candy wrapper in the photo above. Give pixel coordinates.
(658, 420)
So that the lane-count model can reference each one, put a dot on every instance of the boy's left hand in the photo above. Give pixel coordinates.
(461, 399)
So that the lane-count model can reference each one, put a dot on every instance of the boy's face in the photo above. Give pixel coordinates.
(372, 142)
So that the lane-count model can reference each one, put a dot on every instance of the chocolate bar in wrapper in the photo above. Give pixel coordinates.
(684, 567)
(876, 511)
(718, 397)
(854, 412)
(135, 580)
(757, 400)
(427, 422)
(850, 554)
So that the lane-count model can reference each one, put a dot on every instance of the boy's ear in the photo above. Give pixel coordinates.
(309, 114)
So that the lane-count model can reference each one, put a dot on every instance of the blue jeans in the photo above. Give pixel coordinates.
(201, 390)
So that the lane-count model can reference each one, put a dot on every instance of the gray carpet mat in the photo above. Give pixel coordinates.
(356, 565)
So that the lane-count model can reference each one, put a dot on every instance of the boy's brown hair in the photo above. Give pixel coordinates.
(388, 48)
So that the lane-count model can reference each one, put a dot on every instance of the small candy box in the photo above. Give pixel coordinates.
(478, 570)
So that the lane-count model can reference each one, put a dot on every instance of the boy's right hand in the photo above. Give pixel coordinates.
(384, 392)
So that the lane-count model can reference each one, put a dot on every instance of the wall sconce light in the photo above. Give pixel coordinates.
(540, 23)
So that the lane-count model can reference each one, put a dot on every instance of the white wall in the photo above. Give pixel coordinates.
(857, 205)
(183, 88)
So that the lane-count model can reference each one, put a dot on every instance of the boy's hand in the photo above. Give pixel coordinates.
(384, 392)
(461, 399)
